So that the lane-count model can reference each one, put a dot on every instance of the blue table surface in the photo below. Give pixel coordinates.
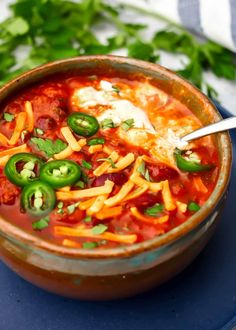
(202, 297)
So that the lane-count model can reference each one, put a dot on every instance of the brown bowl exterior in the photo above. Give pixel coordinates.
(125, 271)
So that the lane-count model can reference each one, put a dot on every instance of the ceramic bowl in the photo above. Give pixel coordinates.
(124, 271)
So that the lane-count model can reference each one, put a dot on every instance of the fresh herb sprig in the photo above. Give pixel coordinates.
(37, 25)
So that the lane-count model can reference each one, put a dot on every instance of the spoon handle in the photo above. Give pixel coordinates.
(220, 126)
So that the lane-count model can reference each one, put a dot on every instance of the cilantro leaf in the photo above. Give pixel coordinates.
(8, 116)
(99, 229)
(71, 208)
(144, 171)
(89, 245)
(154, 210)
(193, 207)
(87, 219)
(79, 184)
(107, 123)
(116, 89)
(49, 147)
(41, 224)
(86, 165)
(95, 141)
(38, 25)
(107, 160)
(143, 51)
(127, 124)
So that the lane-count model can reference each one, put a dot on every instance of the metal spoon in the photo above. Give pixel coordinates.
(220, 126)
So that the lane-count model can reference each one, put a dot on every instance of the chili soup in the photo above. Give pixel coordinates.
(97, 162)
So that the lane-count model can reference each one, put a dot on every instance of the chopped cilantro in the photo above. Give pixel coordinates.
(79, 184)
(116, 89)
(107, 123)
(96, 141)
(127, 124)
(71, 208)
(107, 160)
(8, 116)
(38, 131)
(89, 245)
(147, 175)
(154, 210)
(60, 205)
(87, 219)
(86, 165)
(84, 177)
(41, 224)
(99, 229)
(194, 207)
(49, 147)
(144, 171)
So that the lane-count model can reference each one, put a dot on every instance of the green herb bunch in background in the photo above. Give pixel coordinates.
(54, 29)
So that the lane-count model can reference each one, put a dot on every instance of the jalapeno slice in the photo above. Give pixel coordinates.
(189, 166)
(23, 168)
(38, 198)
(60, 173)
(83, 124)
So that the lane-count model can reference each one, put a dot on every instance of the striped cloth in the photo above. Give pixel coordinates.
(215, 19)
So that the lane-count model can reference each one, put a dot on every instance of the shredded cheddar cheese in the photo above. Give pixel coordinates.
(199, 184)
(182, 207)
(67, 152)
(97, 205)
(123, 192)
(148, 219)
(3, 140)
(153, 186)
(87, 203)
(13, 151)
(82, 232)
(70, 139)
(96, 148)
(109, 212)
(30, 116)
(136, 193)
(107, 150)
(3, 160)
(122, 163)
(167, 196)
(101, 169)
(83, 193)
(20, 125)
(66, 188)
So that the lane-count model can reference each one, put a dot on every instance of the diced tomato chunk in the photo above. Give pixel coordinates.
(8, 192)
(117, 178)
(162, 172)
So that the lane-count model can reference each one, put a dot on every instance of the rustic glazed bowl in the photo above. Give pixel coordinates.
(123, 271)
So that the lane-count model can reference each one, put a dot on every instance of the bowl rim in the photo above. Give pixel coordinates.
(15, 233)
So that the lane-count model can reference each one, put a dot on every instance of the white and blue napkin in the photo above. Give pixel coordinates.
(215, 19)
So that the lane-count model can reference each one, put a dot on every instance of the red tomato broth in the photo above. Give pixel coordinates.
(51, 105)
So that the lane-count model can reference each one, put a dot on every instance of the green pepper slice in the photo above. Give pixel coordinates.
(60, 173)
(38, 198)
(187, 165)
(23, 168)
(83, 124)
